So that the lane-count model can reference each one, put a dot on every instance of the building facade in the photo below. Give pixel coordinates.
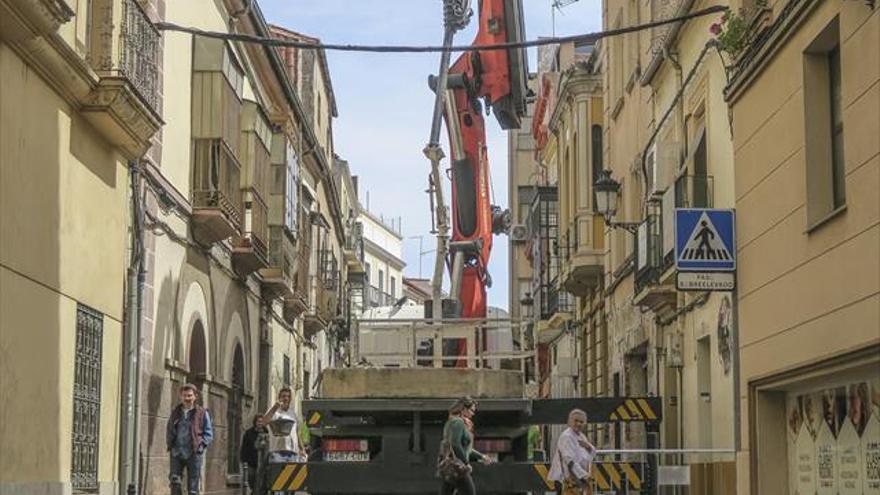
(202, 218)
(241, 291)
(76, 111)
(805, 99)
(668, 143)
(383, 259)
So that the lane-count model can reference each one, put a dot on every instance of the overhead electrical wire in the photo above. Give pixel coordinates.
(589, 37)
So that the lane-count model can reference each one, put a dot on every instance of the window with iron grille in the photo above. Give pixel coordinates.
(86, 400)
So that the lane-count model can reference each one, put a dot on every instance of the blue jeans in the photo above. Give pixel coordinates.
(193, 467)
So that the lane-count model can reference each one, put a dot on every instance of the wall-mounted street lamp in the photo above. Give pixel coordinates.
(607, 197)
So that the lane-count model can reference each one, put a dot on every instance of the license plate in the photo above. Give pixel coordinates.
(346, 456)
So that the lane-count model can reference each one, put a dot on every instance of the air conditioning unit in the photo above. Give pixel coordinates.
(519, 232)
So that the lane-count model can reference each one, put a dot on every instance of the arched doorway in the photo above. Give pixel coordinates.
(198, 359)
(234, 413)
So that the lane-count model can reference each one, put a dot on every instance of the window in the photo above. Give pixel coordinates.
(632, 39)
(393, 287)
(823, 120)
(86, 399)
(367, 269)
(307, 384)
(616, 63)
(596, 155)
(701, 180)
(286, 370)
(835, 95)
(381, 281)
(292, 195)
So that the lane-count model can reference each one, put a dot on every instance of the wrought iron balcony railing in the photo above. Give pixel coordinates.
(128, 49)
(694, 191)
(558, 301)
(354, 241)
(216, 178)
(650, 262)
(282, 253)
(377, 297)
(257, 227)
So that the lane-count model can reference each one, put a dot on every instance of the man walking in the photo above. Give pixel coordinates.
(188, 434)
(572, 464)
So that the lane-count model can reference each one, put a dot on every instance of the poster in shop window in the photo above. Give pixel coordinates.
(834, 440)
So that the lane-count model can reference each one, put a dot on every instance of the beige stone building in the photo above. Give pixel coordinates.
(244, 236)
(805, 97)
(668, 144)
(78, 101)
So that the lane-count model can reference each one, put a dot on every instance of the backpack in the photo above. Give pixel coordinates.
(449, 467)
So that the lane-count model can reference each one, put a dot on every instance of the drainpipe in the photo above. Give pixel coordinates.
(131, 367)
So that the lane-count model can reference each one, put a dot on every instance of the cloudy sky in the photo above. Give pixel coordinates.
(385, 105)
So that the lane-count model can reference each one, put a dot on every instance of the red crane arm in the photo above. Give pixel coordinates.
(496, 78)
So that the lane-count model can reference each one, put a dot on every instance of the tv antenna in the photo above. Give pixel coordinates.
(558, 5)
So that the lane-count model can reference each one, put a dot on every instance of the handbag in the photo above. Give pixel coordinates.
(449, 467)
(570, 484)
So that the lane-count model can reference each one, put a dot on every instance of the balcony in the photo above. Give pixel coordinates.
(216, 191)
(377, 297)
(250, 251)
(694, 191)
(124, 53)
(278, 275)
(323, 307)
(584, 243)
(654, 289)
(560, 306)
(354, 249)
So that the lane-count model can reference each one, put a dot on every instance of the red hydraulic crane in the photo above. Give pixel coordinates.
(490, 79)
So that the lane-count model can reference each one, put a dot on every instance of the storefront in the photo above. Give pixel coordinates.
(831, 439)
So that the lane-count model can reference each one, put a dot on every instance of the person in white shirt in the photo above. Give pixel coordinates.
(573, 461)
(285, 448)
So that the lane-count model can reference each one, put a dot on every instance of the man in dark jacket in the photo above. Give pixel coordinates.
(249, 452)
(188, 434)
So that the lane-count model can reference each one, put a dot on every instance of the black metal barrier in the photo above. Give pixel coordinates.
(358, 478)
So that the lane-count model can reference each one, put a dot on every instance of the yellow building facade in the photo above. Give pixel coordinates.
(245, 262)
(805, 97)
(75, 110)
(668, 144)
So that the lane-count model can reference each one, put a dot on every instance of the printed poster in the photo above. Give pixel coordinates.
(834, 440)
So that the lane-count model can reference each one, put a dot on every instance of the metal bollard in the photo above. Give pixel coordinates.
(245, 485)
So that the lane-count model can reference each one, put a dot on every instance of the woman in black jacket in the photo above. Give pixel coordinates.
(458, 430)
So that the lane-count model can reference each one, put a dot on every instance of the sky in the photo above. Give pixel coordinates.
(385, 104)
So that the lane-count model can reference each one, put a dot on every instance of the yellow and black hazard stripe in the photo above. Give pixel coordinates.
(314, 418)
(543, 471)
(634, 410)
(291, 478)
(616, 475)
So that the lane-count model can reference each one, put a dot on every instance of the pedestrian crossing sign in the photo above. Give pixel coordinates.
(704, 240)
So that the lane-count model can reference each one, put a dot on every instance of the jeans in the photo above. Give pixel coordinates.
(193, 467)
(462, 486)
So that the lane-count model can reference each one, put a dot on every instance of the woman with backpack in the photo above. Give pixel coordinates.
(456, 450)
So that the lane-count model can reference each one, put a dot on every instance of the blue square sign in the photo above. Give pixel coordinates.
(704, 240)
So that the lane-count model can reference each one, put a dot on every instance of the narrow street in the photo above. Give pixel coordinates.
(571, 247)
